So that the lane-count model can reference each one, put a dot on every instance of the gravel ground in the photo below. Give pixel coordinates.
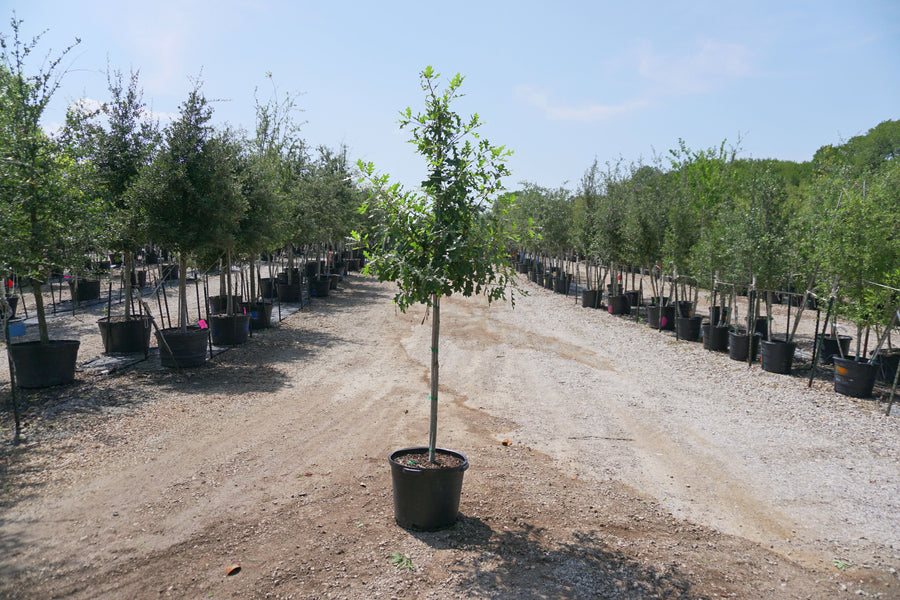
(639, 466)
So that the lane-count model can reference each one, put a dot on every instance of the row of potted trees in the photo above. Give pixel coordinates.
(112, 179)
(791, 232)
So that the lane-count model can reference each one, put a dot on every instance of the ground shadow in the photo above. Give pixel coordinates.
(524, 562)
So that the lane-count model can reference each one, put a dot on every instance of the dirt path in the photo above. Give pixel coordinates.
(640, 467)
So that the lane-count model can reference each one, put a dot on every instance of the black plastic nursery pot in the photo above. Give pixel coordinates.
(320, 286)
(85, 290)
(289, 292)
(685, 308)
(618, 305)
(634, 297)
(762, 326)
(888, 361)
(777, 356)
(121, 334)
(561, 284)
(267, 287)
(315, 267)
(834, 347)
(426, 499)
(661, 317)
(260, 314)
(716, 313)
(139, 279)
(854, 378)
(229, 330)
(715, 338)
(590, 299)
(283, 276)
(739, 344)
(182, 349)
(169, 272)
(219, 304)
(43, 365)
(688, 328)
(13, 304)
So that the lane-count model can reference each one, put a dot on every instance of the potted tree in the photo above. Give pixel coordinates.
(433, 244)
(862, 253)
(191, 201)
(231, 326)
(645, 223)
(119, 140)
(40, 204)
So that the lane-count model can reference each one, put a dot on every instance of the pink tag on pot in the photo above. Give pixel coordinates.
(202, 324)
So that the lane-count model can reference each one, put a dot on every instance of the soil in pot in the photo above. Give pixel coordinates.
(715, 338)
(229, 330)
(182, 349)
(426, 497)
(777, 356)
(834, 347)
(853, 377)
(688, 328)
(739, 344)
(43, 365)
(126, 335)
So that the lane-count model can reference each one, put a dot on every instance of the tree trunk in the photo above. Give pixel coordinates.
(129, 271)
(435, 335)
(229, 299)
(253, 275)
(39, 307)
(182, 292)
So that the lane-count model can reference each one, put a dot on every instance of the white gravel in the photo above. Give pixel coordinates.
(811, 473)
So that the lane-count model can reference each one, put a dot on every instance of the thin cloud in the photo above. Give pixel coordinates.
(555, 111)
(713, 65)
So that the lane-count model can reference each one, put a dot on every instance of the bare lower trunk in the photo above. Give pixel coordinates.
(129, 273)
(39, 308)
(182, 292)
(229, 298)
(435, 336)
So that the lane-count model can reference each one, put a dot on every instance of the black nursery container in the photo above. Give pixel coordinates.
(426, 499)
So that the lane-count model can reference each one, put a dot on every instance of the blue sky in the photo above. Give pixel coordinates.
(558, 83)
